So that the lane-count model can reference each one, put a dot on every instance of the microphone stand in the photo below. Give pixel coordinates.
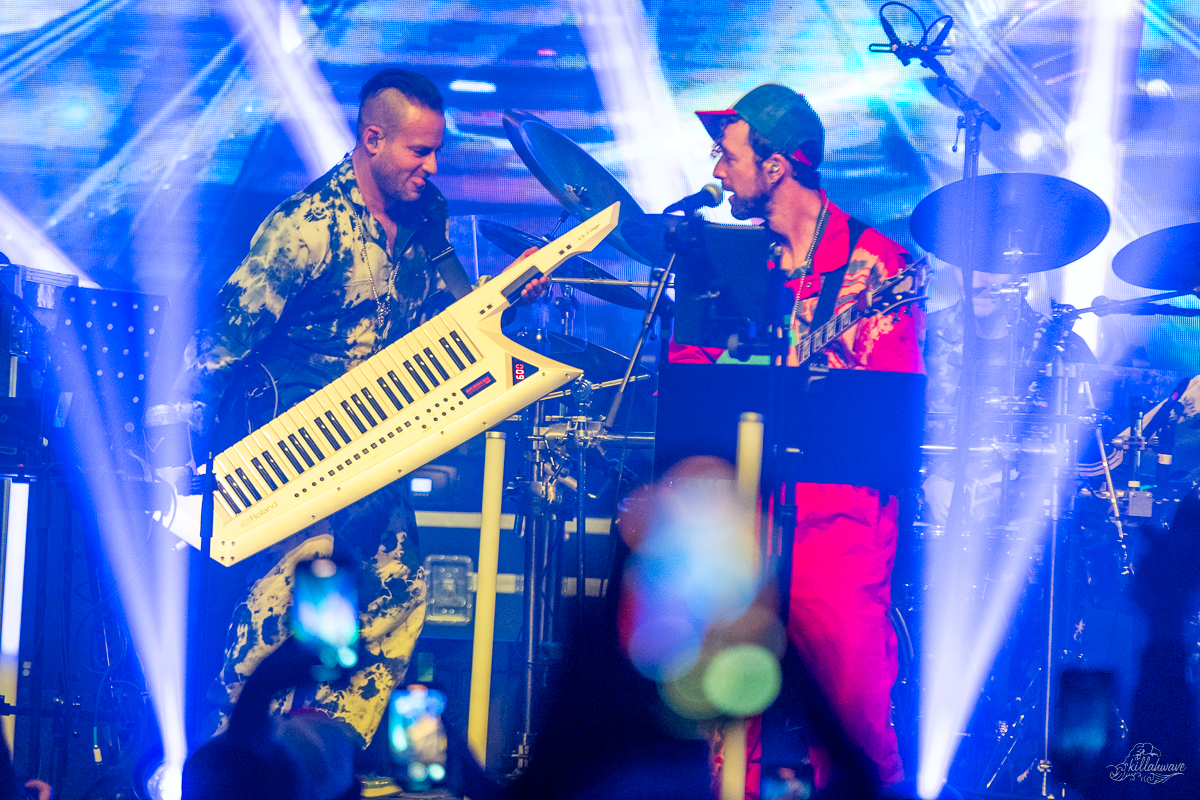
(971, 121)
(610, 418)
(974, 116)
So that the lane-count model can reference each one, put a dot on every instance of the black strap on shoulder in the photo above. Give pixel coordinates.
(441, 255)
(831, 282)
(437, 248)
(452, 271)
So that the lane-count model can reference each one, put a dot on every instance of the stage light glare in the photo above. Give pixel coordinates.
(1096, 154)
(1159, 89)
(685, 695)
(16, 524)
(347, 657)
(24, 243)
(661, 161)
(742, 680)
(965, 628)
(312, 117)
(929, 786)
(472, 87)
(289, 31)
(664, 644)
(166, 782)
(1029, 144)
(150, 574)
(74, 114)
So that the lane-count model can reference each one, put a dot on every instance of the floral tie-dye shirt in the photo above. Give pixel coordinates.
(299, 312)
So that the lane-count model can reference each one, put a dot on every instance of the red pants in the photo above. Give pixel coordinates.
(845, 546)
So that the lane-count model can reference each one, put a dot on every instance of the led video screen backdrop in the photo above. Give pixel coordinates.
(147, 140)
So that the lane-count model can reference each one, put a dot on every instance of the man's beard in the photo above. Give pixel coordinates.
(749, 207)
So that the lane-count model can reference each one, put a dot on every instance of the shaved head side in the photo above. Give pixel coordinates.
(387, 95)
(387, 109)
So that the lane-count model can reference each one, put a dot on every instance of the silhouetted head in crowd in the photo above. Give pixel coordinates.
(309, 758)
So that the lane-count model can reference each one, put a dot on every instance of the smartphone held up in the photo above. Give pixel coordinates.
(325, 611)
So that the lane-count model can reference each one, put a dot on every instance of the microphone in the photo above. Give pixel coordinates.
(897, 46)
(1098, 304)
(708, 197)
(1170, 311)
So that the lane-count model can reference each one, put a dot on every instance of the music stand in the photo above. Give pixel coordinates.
(723, 287)
(855, 427)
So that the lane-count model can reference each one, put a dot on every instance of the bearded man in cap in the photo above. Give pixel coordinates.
(769, 147)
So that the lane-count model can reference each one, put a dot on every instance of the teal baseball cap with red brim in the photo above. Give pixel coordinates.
(782, 117)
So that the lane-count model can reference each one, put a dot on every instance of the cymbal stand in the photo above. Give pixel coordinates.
(974, 116)
(537, 499)
(1057, 516)
(1126, 566)
(1011, 295)
(614, 407)
(537, 527)
(562, 218)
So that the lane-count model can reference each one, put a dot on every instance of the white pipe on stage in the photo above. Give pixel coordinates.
(749, 473)
(485, 595)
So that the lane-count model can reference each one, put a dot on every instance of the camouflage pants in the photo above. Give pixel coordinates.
(391, 611)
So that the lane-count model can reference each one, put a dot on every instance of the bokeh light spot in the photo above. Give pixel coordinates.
(742, 680)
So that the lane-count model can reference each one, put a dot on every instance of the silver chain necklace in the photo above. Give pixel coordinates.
(382, 307)
(806, 265)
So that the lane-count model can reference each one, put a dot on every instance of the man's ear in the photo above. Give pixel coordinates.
(777, 167)
(371, 138)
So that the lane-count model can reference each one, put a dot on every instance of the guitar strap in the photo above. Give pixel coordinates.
(442, 256)
(831, 282)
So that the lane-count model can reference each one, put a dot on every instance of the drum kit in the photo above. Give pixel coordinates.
(1041, 448)
(1027, 223)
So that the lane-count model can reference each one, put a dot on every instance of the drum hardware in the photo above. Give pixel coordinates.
(1009, 451)
(593, 388)
(584, 432)
(1126, 564)
(568, 308)
(558, 442)
(557, 447)
(606, 282)
(1011, 293)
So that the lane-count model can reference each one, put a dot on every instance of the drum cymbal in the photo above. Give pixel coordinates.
(514, 242)
(1024, 222)
(1166, 260)
(576, 180)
